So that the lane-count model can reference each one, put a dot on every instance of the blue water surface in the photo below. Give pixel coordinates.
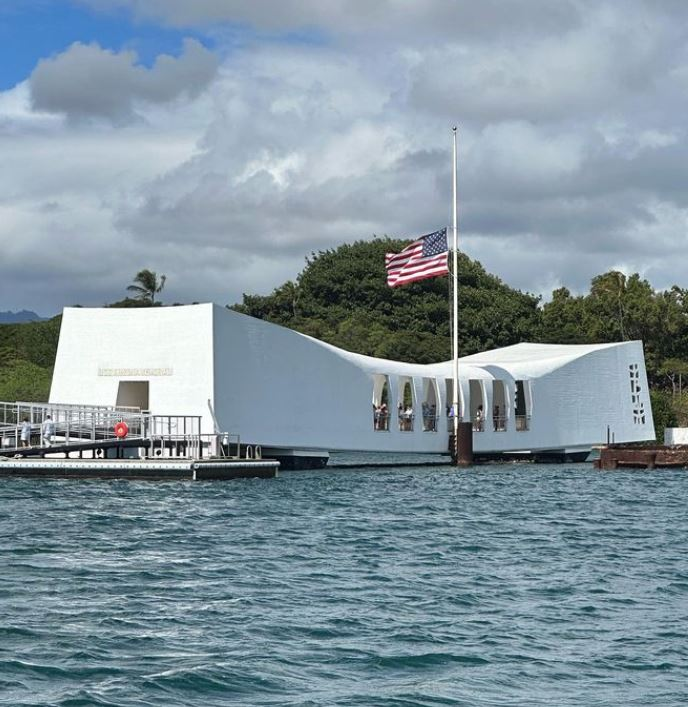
(498, 585)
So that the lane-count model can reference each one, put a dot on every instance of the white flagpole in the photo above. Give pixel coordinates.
(455, 304)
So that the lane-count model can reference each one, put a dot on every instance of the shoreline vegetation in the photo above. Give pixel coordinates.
(341, 297)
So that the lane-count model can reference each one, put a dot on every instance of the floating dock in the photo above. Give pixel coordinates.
(76, 441)
(654, 457)
(171, 469)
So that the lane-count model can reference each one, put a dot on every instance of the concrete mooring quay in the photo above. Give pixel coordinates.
(655, 457)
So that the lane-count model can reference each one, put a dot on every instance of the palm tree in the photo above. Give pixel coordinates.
(147, 286)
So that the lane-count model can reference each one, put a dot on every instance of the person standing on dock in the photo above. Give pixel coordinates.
(25, 434)
(48, 431)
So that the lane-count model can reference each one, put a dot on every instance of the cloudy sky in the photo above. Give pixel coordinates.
(222, 141)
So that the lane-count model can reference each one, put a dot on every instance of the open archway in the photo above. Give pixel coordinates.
(477, 402)
(406, 405)
(430, 404)
(500, 408)
(381, 402)
(522, 405)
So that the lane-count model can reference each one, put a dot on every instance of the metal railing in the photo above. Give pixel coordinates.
(47, 425)
(478, 424)
(500, 423)
(430, 422)
(406, 421)
(522, 423)
(13, 413)
(70, 427)
(381, 421)
(43, 423)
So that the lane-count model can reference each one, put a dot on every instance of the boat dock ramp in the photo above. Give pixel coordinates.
(80, 441)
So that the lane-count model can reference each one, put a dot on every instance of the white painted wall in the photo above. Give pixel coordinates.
(675, 435)
(278, 388)
(175, 341)
(585, 395)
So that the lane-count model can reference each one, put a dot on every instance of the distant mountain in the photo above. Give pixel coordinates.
(17, 317)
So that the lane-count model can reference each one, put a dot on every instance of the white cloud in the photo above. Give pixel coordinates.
(573, 153)
(386, 18)
(87, 81)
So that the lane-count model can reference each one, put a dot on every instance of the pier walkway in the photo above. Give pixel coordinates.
(82, 440)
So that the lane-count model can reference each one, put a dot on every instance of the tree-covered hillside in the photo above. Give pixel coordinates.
(342, 297)
(27, 356)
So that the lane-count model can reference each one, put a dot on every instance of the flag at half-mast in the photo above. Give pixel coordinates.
(426, 257)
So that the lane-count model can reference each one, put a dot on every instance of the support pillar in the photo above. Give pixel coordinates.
(463, 454)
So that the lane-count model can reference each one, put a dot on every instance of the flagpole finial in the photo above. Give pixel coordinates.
(454, 129)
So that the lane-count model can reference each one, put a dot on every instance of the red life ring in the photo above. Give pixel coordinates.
(121, 430)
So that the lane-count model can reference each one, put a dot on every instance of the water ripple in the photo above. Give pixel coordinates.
(500, 585)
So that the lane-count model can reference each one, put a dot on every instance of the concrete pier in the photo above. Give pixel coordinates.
(655, 457)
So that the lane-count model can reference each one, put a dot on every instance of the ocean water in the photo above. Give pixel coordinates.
(498, 585)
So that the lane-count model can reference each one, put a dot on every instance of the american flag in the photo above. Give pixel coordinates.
(426, 257)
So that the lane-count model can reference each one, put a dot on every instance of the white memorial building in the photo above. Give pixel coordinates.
(286, 391)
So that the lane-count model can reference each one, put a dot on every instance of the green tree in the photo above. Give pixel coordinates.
(673, 338)
(130, 303)
(662, 412)
(35, 342)
(342, 297)
(146, 286)
(679, 407)
(676, 372)
(564, 319)
(607, 302)
(25, 381)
